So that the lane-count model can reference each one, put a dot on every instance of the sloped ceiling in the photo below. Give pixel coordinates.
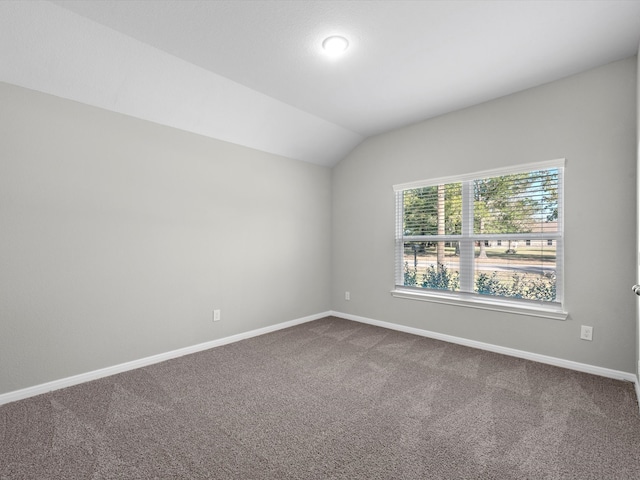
(253, 72)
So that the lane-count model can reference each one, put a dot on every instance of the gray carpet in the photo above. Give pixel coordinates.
(329, 399)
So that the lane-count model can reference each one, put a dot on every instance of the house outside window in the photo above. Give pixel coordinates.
(457, 238)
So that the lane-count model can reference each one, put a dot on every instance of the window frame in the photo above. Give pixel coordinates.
(554, 310)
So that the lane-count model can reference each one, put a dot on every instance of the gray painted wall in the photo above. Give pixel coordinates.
(589, 119)
(119, 237)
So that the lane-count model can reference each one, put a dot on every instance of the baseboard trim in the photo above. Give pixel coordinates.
(558, 362)
(143, 362)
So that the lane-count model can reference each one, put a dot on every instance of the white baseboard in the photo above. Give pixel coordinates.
(143, 362)
(558, 362)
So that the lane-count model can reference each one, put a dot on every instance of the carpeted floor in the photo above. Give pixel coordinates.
(329, 399)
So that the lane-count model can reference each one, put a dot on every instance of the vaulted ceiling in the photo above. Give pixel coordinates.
(254, 73)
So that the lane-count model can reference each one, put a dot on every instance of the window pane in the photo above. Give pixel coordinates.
(432, 265)
(435, 210)
(518, 203)
(516, 270)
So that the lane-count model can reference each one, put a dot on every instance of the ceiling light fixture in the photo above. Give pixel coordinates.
(335, 45)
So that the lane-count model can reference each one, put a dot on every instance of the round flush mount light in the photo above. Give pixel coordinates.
(335, 45)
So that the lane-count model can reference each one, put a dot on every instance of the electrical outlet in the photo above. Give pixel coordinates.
(216, 315)
(586, 333)
(347, 295)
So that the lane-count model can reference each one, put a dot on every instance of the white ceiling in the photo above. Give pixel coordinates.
(253, 73)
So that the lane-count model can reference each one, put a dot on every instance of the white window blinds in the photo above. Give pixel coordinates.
(497, 233)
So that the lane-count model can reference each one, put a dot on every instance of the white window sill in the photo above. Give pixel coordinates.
(530, 308)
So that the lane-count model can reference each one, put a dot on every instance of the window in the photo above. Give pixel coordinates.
(457, 239)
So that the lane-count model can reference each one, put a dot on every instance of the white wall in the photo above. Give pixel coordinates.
(589, 119)
(118, 237)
